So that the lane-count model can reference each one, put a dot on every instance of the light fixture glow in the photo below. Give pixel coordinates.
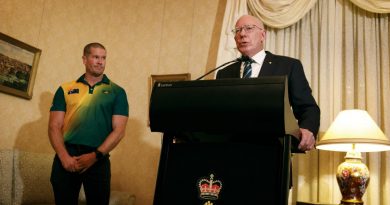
(354, 127)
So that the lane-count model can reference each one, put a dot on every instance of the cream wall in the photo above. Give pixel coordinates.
(142, 38)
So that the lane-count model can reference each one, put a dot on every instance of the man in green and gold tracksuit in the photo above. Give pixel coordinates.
(88, 119)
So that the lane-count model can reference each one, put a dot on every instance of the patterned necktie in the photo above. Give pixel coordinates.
(247, 68)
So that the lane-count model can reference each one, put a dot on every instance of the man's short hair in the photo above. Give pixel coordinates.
(87, 48)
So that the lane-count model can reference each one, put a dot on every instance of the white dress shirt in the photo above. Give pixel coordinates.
(259, 59)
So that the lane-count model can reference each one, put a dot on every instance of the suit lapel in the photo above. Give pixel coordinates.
(235, 72)
(268, 64)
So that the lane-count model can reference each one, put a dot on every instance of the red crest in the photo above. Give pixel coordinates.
(209, 189)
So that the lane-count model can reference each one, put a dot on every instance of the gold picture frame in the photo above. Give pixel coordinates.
(18, 66)
(165, 78)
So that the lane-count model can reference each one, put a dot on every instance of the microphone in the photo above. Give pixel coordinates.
(240, 59)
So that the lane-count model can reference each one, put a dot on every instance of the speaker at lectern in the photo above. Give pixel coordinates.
(225, 141)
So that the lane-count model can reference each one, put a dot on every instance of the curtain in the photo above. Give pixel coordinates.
(280, 14)
(345, 52)
(375, 6)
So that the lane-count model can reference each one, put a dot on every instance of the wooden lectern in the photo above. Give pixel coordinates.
(225, 141)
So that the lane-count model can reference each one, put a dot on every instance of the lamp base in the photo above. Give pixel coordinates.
(352, 177)
(351, 203)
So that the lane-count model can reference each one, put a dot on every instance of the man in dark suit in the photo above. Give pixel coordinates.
(250, 37)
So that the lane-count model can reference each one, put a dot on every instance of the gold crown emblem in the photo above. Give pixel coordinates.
(208, 203)
(209, 189)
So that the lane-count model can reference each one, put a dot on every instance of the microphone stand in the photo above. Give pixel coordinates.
(233, 61)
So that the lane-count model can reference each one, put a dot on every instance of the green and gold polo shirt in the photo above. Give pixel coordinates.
(89, 109)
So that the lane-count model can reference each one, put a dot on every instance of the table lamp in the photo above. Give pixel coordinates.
(353, 131)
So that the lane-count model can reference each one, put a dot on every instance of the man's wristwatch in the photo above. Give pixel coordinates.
(99, 154)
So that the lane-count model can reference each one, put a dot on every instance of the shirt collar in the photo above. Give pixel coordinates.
(104, 80)
(259, 57)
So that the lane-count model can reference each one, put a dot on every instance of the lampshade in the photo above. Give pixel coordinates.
(354, 128)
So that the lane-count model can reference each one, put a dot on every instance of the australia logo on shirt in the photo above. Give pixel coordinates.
(106, 92)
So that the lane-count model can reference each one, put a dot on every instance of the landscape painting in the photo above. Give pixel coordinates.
(18, 65)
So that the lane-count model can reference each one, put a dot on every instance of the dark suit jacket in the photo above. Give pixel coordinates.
(304, 106)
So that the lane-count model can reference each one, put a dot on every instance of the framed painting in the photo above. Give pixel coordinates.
(18, 66)
(167, 78)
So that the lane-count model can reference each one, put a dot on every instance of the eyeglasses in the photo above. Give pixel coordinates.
(246, 28)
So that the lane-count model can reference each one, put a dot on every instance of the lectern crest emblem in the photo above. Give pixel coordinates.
(209, 188)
